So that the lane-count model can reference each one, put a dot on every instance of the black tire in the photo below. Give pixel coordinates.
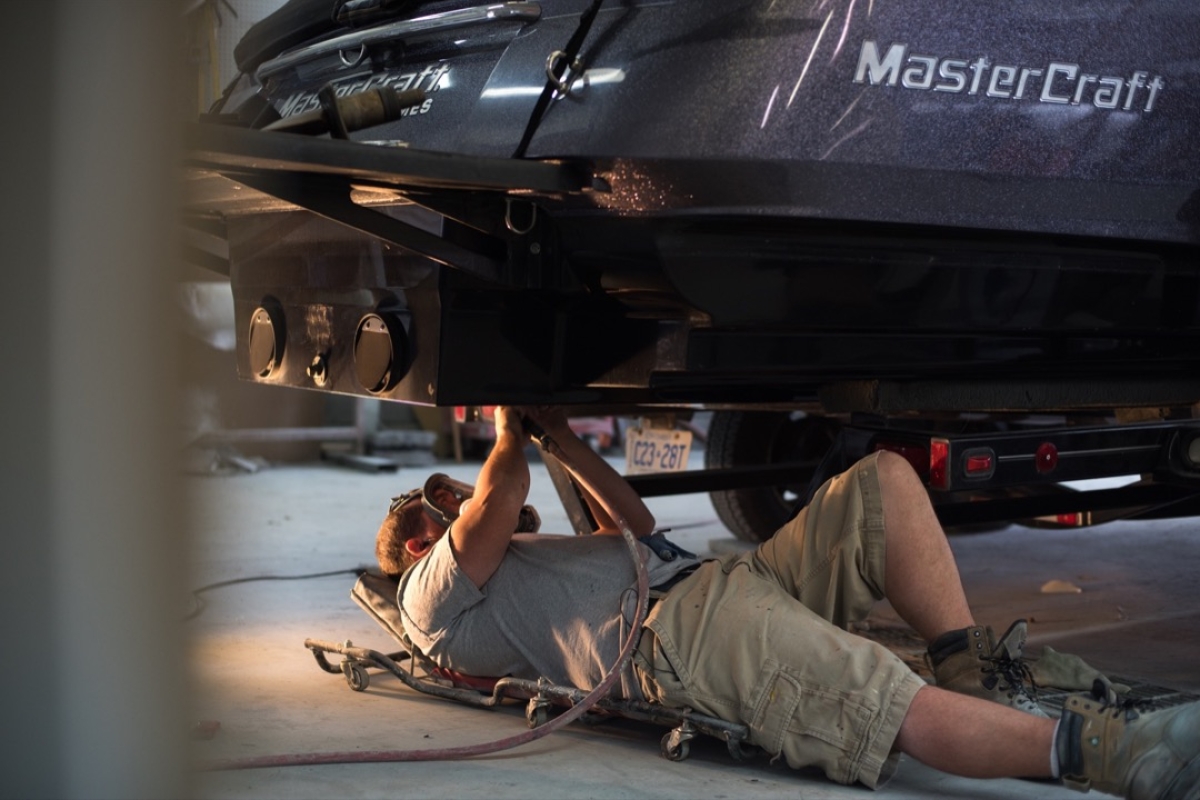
(680, 752)
(356, 677)
(756, 438)
(536, 714)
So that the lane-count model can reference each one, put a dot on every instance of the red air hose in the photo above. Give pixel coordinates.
(467, 751)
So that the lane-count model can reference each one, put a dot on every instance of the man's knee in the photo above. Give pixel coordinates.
(895, 466)
(897, 475)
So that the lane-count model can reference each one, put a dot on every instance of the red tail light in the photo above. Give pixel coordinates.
(979, 463)
(939, 463)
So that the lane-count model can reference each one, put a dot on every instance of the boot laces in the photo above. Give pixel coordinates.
(1015, 673)
(1118, 706)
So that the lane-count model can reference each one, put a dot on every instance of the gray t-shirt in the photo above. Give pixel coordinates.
(556, 607)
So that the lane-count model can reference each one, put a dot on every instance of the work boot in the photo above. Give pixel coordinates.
(1128, 749)
(972, 662)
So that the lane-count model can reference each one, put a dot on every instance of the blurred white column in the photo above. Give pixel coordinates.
(93, 680)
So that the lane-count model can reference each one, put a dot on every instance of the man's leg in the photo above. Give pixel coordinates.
(976, 738)
(920, 576)
(948, 731)
(922, 582)
(1102, 743)
(870, 533)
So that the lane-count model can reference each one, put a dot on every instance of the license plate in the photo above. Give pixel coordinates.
(656, 450)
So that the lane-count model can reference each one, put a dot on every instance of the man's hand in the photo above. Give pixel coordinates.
(508, 421)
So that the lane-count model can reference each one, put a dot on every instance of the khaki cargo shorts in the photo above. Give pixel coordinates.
(759, 638)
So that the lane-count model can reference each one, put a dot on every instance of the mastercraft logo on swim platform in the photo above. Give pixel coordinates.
(1055, 82)
(431, 79)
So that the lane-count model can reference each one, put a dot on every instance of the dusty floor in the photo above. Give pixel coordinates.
(1138, 614)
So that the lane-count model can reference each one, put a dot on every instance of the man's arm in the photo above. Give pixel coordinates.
(486, 523)
(607, 493)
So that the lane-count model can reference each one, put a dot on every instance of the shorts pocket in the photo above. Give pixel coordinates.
(808, 725)
(775, 706)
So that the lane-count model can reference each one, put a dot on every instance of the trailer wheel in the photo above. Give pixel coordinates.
(537, 713)
(356, 677)
(756, 438)
(674, 750)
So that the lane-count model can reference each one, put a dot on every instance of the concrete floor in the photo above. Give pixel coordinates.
(1138, 615)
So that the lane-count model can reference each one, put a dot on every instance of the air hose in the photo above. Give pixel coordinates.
(467, 751)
